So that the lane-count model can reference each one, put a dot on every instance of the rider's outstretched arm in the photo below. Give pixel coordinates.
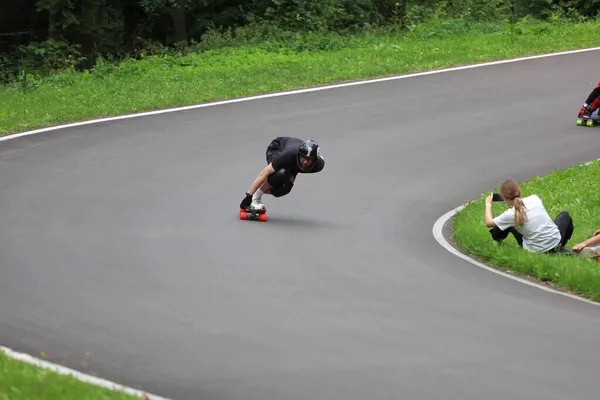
(261, 178)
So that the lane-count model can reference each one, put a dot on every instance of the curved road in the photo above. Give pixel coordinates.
(120, 240)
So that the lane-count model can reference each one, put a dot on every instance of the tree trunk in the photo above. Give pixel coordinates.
(53, 33)
(131, 20)
(178, 14)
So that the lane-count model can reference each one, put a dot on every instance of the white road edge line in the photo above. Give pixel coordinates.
(439, 236)
(438, 228)
(78, 375)
(439, 224)
(299, 91)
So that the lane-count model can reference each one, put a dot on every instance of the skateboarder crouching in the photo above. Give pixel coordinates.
(591, 104)
(286, 157)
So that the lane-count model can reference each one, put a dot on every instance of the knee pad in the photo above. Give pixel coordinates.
(279, 178)
(280, 183)
(281, 190)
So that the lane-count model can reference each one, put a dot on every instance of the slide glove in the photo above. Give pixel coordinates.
(246, 202)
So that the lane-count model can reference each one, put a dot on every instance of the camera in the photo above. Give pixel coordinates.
(497, 197)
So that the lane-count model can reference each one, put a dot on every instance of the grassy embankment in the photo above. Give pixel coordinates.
(22, 381)
(574, 190)
(167, 81)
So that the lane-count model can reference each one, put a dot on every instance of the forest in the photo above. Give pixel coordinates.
(46, 36)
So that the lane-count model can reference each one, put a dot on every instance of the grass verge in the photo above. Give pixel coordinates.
(573, 190)
(169, 81)
(23, 381)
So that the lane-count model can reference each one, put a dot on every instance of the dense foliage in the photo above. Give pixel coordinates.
(46, 36)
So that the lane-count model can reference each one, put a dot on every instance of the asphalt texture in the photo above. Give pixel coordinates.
(122, 253)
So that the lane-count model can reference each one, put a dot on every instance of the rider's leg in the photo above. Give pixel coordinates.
(278, 184)
(593, 109)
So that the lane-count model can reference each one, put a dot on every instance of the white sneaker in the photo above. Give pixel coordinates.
(256, 205)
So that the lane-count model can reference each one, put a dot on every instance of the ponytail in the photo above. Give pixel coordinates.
(519, 211)
(511, 190)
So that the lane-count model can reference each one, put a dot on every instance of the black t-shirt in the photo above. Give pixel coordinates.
(288, 157)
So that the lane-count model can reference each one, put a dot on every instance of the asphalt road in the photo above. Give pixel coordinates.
(122, 240)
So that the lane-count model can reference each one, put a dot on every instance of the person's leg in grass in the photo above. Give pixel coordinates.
(499, 235)
(564, 222)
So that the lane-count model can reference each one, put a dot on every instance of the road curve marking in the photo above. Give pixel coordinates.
(439, 236)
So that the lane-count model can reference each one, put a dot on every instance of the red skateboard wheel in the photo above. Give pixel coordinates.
(244, 215)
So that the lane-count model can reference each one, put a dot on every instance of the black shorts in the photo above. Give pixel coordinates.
(272, 150)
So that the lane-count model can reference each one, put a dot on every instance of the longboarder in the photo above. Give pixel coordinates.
(286, 157)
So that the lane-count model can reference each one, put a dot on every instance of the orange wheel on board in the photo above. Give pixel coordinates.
(243, 215)
(263, 217)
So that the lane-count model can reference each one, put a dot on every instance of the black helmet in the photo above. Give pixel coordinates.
(310, 149)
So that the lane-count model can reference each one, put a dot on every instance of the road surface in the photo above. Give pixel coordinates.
(122, 240)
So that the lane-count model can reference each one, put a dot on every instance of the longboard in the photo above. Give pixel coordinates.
(587, 121)
(253, 215)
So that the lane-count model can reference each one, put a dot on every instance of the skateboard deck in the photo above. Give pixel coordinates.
(253, 215)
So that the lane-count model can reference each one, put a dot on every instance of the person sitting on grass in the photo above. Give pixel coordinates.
(589, 247)
(528, 221)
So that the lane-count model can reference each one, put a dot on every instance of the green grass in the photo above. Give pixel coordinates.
(23, 381)
(168, 81)
(573, 190)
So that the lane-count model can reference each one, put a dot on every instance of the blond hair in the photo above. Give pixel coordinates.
(511, 190)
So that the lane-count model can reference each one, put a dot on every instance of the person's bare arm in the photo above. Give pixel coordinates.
(489, 218)
(261, 178)
(589, 242)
